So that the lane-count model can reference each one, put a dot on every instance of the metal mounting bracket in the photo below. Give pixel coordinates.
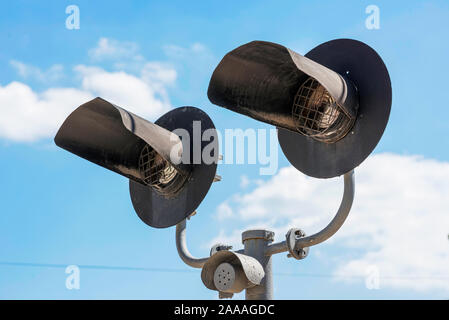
(255, 259)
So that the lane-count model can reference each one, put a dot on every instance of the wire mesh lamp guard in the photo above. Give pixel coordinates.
(330, 108)
(317, 115)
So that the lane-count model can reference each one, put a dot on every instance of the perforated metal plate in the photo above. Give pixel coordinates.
(248, 271)
(224, 277)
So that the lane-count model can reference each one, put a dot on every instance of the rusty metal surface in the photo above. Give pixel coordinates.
(260, 79)
(113, 138)
(368, 72)
(116, 139)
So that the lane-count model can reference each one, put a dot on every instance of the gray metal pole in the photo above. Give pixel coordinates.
(331, 228)
(183, 251)
(256, 243)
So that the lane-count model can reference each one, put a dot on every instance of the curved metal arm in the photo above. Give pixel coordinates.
(181, 246)
(331, 228)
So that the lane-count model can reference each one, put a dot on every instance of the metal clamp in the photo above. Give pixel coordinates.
(249, 269)
(292, 236)
(219, 247)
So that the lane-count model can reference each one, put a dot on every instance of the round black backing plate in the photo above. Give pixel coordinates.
(160, 211)
(364, 67)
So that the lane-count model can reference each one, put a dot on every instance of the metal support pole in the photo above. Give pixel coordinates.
(331, 228)
(181, 246)
(255, 243)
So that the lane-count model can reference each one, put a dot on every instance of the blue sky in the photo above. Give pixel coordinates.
(59, 209)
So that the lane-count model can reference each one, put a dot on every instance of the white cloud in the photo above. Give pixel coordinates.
(148, 99)
(54, 73)
(29, 116)
(195, 64)
(224, 211)
(111, 49)
(177, 51)
(244, 181)
(399, 221)
(156, 72)
(195, 59)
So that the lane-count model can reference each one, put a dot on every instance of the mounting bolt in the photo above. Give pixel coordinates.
(219, 247)
(291, 237)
